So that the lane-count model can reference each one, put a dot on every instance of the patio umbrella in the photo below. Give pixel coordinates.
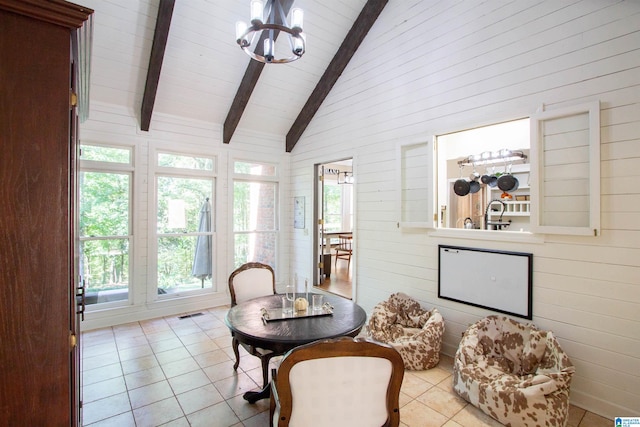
(202, 267)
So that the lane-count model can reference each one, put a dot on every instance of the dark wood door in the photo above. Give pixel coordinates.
(37, 365)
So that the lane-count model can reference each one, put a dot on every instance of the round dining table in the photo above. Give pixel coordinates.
(279, 335)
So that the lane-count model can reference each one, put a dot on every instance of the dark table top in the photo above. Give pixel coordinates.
(246, 324)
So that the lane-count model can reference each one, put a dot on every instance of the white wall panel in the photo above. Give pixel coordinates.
(453, 65)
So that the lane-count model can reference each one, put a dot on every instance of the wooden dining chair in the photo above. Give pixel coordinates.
(252, 280)
(344, 248)
(340, 382)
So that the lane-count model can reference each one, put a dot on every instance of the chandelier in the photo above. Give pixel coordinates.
(268, 19)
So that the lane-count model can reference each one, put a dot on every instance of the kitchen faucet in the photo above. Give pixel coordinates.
(498, 224)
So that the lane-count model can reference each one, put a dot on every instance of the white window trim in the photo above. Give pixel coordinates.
(115, 167)
(429, 222)
(537, 170)
(233, 176)
(154, 171)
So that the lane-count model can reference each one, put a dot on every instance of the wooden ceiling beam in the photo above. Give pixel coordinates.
(248, 83)
(160, 36)
(356, 35)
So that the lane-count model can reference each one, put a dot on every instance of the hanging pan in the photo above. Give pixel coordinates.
(461, 187)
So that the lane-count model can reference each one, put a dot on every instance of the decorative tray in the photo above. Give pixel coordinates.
(275, 314)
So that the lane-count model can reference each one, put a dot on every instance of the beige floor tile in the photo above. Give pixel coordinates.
(189, 381)
(122, 420)
(575, 416)
(221, 413)
(105, 408)
(180, 367)
(202, 347)
(470, 416)
(172, 355)
(158, 413)
(104, 373)
(211, 358)
(199, 398)
(220, 371)
(415, 414)
(448, 404)
(166, 344)
(194, 338)
(135, 352)
(433, 376)
(414, 386)
(103, 389)
(139, 364)
(143, 378)
(592, 420)
(149, 394)
(236, 385)
(245, 411)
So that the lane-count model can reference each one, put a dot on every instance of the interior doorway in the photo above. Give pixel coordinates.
(333, 222)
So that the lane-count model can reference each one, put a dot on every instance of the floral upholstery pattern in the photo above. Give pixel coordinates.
(514, 372)
(414, 332)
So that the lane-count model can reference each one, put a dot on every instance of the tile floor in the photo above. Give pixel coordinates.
(179, 372)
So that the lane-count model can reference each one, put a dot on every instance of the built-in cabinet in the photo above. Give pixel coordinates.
(39, 328)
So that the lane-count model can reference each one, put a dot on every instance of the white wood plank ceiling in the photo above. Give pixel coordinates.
(203, 66)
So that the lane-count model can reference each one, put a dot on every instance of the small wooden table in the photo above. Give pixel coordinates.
(246, 324)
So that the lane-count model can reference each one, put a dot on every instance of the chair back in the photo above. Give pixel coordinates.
(340, 382)
(344, 242)
(251, 280)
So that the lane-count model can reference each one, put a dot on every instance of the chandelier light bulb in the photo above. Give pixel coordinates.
(268, 50)
(296, 18)
(241, 28)
(257, 10)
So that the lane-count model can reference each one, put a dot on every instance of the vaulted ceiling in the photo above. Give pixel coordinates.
(180, 58)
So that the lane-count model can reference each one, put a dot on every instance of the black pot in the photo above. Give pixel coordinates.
(508, 182)
(461, 187)
(474, 187)
(486, 179)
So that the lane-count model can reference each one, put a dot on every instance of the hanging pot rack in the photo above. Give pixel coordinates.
(493, 157)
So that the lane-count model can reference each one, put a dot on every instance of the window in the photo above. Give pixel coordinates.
(337, 200)
(105, 182)
(185, 223)
(553, 158)
(255, 213)
(497, 151)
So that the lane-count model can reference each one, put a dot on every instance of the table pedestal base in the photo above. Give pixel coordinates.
(254, 396)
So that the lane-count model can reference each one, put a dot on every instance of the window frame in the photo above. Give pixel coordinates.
(154, 172)
(244, 177)
(430, 221)
(120, 168)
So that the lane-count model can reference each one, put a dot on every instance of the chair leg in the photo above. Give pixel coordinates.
(235, 344)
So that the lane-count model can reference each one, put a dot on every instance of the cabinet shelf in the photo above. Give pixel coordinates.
(513, 208)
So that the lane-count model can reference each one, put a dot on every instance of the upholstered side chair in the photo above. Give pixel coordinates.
(339, 382)
(252, 280)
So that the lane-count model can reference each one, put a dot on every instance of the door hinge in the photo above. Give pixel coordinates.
(73, 99)
(321, 221)
(73, 341)
(321, 265)
(321, 178)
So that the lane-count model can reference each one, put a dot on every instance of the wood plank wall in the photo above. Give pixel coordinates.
(436, 66)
